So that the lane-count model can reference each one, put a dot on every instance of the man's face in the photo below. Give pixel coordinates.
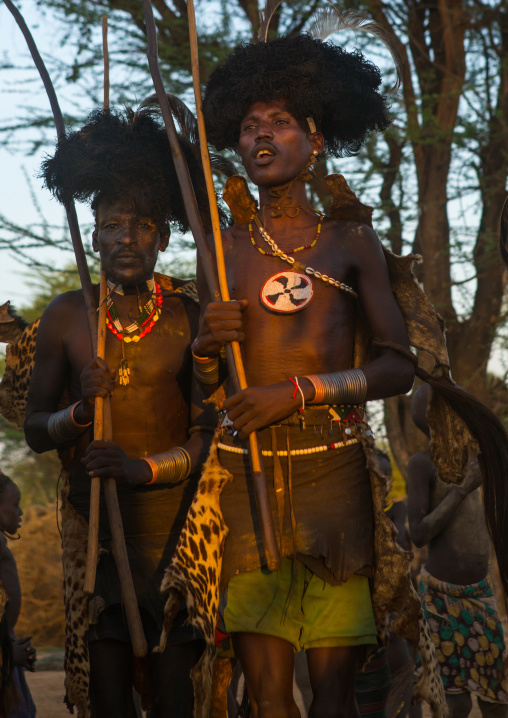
(273, 147)
(10, 510)
(128, 243)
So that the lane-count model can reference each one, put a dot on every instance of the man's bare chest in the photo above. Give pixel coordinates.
(250, 262)
(158, 357)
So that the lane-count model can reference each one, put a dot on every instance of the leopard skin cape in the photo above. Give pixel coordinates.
(195, 569)
(13, 395)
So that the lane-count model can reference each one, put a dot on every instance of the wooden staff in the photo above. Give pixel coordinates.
(92, 554)
(216, 289)
(86, 284)
(103, 429)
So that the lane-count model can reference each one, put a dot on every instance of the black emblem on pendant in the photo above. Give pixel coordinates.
(287, 292)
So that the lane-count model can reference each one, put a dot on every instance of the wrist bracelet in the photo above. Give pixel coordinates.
(173, 465)
(202, 360)
(342, 387)
(298, 388)
(206, 369)
(62, 426)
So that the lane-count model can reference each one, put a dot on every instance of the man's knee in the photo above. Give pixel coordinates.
(328, 704)
(275, 707)
(459, 705)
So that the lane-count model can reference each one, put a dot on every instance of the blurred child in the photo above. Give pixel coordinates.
(18, 653)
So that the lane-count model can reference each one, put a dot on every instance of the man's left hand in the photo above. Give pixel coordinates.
(108, 460)
(259, 406)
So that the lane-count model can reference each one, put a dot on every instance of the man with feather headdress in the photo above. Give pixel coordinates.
(326, 317)
(298, 278)
(123, 164)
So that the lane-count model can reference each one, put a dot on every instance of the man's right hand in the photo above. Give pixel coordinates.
(220, 324)
(97, 379)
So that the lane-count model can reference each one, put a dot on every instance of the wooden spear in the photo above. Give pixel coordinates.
(128, 593)
(216, 289)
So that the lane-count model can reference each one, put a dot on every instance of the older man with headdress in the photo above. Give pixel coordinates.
(122, 163)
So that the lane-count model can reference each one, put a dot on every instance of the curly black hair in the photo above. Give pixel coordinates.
(125, 157)
(338, 89)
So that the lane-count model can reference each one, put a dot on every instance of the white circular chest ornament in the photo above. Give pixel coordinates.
(287, 292)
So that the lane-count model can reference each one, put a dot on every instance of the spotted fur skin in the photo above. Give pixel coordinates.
(194, 572)
(19, 362)
(74, 547)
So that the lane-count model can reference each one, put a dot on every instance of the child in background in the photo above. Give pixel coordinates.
(22, 653)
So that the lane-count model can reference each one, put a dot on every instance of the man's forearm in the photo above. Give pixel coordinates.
(45, 431)
(385, 376)
(438, 519)
(176, 464)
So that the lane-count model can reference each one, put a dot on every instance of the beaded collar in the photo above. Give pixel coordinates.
(297, 266)
(144, 323)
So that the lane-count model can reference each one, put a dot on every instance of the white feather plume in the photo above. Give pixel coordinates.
(266, 17)
(330, 19)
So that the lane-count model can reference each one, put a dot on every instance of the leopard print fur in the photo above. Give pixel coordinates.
(194, 572)
(429, 686)
(19, 362)
(74, 546)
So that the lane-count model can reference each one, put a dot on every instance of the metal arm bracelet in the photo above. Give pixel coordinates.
(342, 387)
(173, 465)
(62, 427)
(206, 369)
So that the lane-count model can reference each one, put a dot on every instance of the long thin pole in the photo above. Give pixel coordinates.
(269, 540)
(103, 429)
(72, 219)
(217, 289)
(79, 252)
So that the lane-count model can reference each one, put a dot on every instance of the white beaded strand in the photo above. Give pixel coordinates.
(277, 251)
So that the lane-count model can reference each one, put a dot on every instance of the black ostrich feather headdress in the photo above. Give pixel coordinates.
(125, 156)
(338, 89)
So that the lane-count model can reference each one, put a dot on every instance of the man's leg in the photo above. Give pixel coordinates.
(171, 684)
(492, 710)
(332, 674)
(111, 679)
(268, 664)
(459, 705)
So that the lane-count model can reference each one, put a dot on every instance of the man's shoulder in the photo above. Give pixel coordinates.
(350, 230)
(66, 302)
(236, 231)
(62, 312)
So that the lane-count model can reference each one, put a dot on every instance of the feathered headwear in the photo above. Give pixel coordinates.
(317, 79)
(125, 156)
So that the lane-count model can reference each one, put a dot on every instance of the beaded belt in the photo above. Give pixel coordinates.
(292, 452)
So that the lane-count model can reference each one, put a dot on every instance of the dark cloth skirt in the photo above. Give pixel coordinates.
(324, 513)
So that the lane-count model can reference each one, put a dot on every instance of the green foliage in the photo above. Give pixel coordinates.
(49, 284)
(35, 474)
